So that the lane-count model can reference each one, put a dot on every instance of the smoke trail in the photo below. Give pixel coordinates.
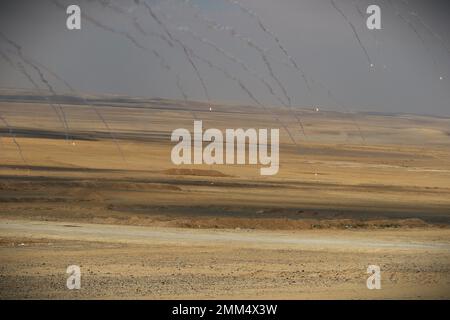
(431, 31)
(42, 78)
(53, 92)
(355, 33)
(21, 68)
(71, 89)
(219, 27)
(49, 87)
(230, 57)
(133, 40)
(39, 72)
(175, 40)
(13, 135)
(332, 99)
(108, 28)
(427, 27)
(245, 89)
(9, 61)
(266, 30)
(84, 101)
(343, 107)
(37, 67)
(18, 66)
(250, 43)
(236, 60)
(416, 32)
(137, 44)
(178, 83)
(105, 123)
(241, 85)
(265, 59)
(189, 52)
(272, 74)
(363, 18)
(264, 55)
(11, 131)
(422, 40)
(141, 30)
(135, 21)
(52, 73)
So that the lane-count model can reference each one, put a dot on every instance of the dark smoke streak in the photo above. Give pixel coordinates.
(21, 69)
(164, 65)
(18, 49)
(249, 42)
(183, 46)
(13, 135)
(267, 31)
(355, 33)
(246, 90)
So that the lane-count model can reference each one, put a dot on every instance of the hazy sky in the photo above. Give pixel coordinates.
(124, 50)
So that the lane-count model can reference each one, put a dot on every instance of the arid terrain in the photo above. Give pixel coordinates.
(353, 190)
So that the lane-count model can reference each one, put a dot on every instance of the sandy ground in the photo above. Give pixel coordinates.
(141, 227)
(141, 262)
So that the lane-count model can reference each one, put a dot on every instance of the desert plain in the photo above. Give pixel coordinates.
(99, 190)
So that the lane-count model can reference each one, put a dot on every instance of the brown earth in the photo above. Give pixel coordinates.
(394, 182)
(155, 263)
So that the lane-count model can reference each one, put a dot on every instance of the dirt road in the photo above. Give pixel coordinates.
(148, 262)
(145, 235)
